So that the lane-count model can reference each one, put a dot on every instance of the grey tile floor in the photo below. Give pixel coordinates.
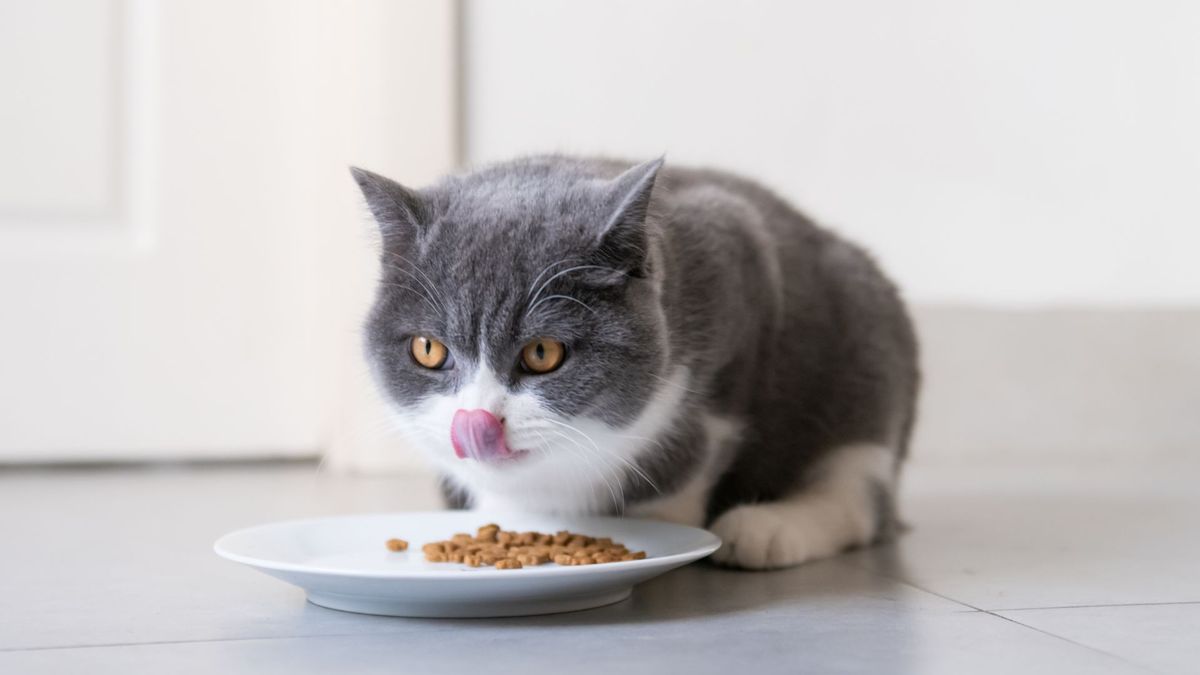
(1006, 570)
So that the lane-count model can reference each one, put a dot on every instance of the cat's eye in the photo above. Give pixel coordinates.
(428, 352)
(543, 355)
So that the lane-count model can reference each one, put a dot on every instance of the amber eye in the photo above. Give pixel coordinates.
(429, 352)
(543, 355)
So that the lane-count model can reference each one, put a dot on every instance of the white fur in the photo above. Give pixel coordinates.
(574, 466)
(688, 505)
(835, 511)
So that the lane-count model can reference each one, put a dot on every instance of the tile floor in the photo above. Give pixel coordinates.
(1005, 570)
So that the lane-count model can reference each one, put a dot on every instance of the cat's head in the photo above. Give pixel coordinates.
(517, 330)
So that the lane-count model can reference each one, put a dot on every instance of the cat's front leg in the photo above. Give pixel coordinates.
(847, 504)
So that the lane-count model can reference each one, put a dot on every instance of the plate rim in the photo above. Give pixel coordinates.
(220, 547)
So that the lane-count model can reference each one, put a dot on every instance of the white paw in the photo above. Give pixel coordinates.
(760, 536)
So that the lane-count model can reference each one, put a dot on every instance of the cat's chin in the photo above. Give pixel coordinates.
(511, 458)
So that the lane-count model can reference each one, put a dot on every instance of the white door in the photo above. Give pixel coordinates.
(182, 253)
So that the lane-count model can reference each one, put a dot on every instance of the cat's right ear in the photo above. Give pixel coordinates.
(398, 210)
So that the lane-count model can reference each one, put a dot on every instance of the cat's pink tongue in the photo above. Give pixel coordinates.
(477, 434)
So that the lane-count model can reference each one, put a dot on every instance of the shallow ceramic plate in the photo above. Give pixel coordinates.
(342, 563)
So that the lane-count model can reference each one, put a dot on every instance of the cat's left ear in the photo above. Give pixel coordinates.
(624, 240)
(400, 212)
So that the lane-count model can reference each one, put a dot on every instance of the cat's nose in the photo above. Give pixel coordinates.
(477, 434)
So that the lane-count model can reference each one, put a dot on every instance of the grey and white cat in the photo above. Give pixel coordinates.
(577, 335)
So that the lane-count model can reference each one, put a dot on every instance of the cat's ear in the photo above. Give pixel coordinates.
(624, 240)
(398, 210)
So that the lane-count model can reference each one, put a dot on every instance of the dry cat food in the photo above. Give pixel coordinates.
(397, 545)
(514, 550)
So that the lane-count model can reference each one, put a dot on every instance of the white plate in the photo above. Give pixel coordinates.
(342, 563)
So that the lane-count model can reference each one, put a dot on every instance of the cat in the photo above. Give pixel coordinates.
(575, 335)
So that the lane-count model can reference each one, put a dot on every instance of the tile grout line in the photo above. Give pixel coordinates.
(980, 610)
(1113, 604)
(1070, 641)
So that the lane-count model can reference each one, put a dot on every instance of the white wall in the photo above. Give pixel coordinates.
(1034, 152)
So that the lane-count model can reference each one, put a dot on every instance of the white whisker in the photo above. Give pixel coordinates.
(568, 271)
(617, 502)
(632, 466)
(676, 385)
(419, 294)
(563, 297)
(545, 269)
(427, 283)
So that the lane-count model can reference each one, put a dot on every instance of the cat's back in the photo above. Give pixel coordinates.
(703, 215)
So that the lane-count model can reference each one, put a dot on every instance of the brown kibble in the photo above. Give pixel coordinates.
(511, 550)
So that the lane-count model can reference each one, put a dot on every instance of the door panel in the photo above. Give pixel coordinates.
(182, 257)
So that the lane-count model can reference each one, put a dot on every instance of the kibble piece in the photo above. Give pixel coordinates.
(397, 545)
(507, 549)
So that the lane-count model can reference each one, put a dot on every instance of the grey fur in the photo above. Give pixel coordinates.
(782, 324)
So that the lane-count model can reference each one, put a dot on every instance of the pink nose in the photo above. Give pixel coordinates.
(477, 434)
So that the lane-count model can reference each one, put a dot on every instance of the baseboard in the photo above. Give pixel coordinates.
(1059, 384)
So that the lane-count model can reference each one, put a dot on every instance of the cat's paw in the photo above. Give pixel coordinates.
(763, 536)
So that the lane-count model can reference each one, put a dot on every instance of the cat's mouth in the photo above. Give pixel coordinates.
(479, 435)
